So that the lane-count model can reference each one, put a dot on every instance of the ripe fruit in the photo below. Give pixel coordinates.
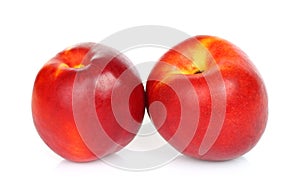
(87, 102)
(207, 99)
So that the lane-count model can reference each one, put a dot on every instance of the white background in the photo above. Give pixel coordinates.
(31, 32)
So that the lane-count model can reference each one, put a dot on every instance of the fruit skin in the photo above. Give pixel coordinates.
(239, 100)
(76, 83)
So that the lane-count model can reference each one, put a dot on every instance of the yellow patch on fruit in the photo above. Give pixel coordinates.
(199, 58)
(64, 66)
(206, 42)
(78, 66)
(60, 68)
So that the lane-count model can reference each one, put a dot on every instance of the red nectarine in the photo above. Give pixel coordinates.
(87, 102)
(207, 99)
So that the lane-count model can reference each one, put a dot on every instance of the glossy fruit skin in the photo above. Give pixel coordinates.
(72, 101)
(242, 115)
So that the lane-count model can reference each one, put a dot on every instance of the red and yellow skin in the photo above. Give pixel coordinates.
(53, 102)
(245, 103)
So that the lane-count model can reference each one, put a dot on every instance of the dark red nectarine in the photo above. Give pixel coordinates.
(87, 102)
